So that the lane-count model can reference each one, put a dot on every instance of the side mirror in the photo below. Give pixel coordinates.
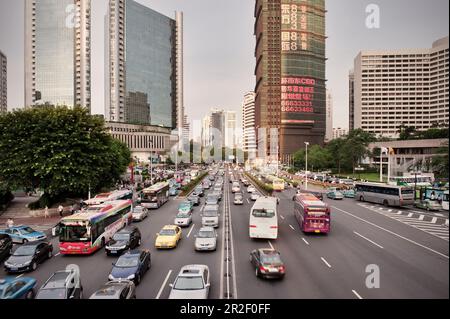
(207, 285)
(171, 285)
(114, 264)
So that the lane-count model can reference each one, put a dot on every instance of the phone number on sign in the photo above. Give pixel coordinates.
(294, 109)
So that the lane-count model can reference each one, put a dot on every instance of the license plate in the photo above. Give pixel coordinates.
(272, 270)
(113, 252)
(317, 231)
(14, 269)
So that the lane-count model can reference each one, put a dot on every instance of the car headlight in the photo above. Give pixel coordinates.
(111, 277)
(26, 263)
(130, 277)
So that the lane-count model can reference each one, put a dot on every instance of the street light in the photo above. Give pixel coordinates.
(306, 166)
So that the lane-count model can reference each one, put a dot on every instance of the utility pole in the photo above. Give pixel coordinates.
(306, 166)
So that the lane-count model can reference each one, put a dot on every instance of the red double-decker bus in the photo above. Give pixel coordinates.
(313, 215)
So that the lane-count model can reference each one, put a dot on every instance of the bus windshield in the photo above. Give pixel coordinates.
(73, 234)
(264, 213)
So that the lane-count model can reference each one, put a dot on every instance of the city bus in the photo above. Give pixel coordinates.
(412, 180)
(275, 182)
(155, 196)
(89, 230)
(388, 195)
(445, 200)
(264, 219)
(110, 196)
(312, 214)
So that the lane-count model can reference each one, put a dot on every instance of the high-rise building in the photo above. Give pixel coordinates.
(217, 124)
(186, 129)
(351, 101)
(143, 66)
(329, 120)
(58, 52)
(3, 83)
(206, 131)
(248, 123)
(230, 131)
(290, 72)
(339, 132)
(406, 87)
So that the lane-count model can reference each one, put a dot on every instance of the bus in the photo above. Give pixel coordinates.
(87, 231)
(312, 214)
(155, 196)
(423, 180)
(107, 197)
(445, 201)
(275, 182)
(388, 195)
(264, 219)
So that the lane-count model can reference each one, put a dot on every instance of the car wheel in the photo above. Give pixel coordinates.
(139, 242)
(30, 294)
(361, 198)
(24, 241)
(50, 254)
(386, 203)
(257, 272)
(81, 292)
(33, 265)
(138, 279)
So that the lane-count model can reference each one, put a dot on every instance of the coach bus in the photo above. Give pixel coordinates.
(313, 215)
(89, 230)
(155, 196)
(387, 195)
(264, 219)
(276, 183)
(111, 196)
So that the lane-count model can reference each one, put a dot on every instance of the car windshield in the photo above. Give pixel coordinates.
(182, 215)
(127, 261)
(189, 283)
(138, 209)
(121, 237)
(238, 197)
(210, 213)
(205, 234)
(167, 232)
(271, 259)
(25, 251)
(27, 230)
(265, 213)
(54, 293)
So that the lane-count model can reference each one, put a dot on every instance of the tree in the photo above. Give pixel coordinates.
(406, 132)
(336, 151)
(440, 162)
(59, 150)
(356, 146)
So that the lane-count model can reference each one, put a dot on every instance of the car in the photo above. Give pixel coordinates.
(318, 195)
(238, 199)
(17, 288)
(6, 245)
(218, 194)
(127, 238)
(254, 196)
(186, 207)
(210, 215)
(116, 289)
(251, 189)
(23, 234)
(335, 194)
(183, 219)
(139, 213)
(235, 189)
(194, 199)
(349, 193)
(168, 237)
(267, 263)
(173, 191)
(192, 282)
(211, 178)
(28, 256)
(245, 182)
(212, 199)
(206, 239)
(131, 266)
(65, 284)
(428, 204)
(199, 191)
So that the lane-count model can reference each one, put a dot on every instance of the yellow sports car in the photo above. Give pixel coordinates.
(168, 237)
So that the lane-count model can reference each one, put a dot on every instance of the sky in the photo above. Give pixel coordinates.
(219, 46)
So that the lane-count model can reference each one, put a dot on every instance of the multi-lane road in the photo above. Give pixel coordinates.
(410, 252)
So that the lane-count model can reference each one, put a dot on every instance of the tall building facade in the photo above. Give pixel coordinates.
(329, 120)
(401, 87)
(230, 130)
(206, 131)
(290, 72)
(3, 83)
(338, 132)
(248, 123)
(186, 129)
(143, 68)
(351, 100)
(58, 52)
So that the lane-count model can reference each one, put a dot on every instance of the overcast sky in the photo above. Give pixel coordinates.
(219, 45)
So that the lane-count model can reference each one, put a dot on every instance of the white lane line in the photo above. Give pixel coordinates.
(248, 201)
(434, 220)
(306, 242)
(421, 217)
(233, 259)
(19, 276)
(399, 212)
(440, 215)
(356, 294)
(325, 262)
(358, 234)
(392, 233)
(282, 217)
(163, 285)
(410, 215)
(190, 231)
(57, 254)
(292, 227)
(270, 244)
(389, 210)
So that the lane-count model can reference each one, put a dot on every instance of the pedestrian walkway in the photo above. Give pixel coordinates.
(434, 224)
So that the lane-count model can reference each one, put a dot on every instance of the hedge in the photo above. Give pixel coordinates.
(185, 190)
(263, 186)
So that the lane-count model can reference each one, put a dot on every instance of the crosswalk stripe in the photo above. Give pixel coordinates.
(421, 217)
(434, 220)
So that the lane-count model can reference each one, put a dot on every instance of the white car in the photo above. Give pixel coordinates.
(139, 213)
(206, 239)
(251, 189)
(255, 196)
(183, 219)
(192, 282)
(238, 199)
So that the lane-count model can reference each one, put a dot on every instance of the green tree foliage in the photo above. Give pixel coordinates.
(440, 162)
(59, 150)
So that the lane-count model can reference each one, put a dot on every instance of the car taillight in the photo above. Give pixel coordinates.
(252, 226)
(282, 269)
(262, 268)
(273, 227)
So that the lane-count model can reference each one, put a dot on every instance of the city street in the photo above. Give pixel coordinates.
(412, 256)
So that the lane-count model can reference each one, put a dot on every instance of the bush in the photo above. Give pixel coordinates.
(186, 189)
(263, 186)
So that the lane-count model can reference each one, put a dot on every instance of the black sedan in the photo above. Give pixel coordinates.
(127, 238)
(195, 199)
(6, 245)
(267, 263)
(131, 266)
(121, 289)
(28, 256)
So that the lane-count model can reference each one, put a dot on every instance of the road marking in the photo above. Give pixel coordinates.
(368, 239)
(421, 217)
(190, 231)
(248, 201)
(389, 210)
(306, 242)
(19, 276)
(233, 263)
(399, 212)
(270, 244)
(410, 215)
(434, 220)
(292, 227)
(57, 254)
(326, 262)
(282, 217)
(392, 233)
(440, 215)
(163, 285)
(356, 294)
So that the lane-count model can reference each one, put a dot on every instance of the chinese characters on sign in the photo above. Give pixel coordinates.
(297, 94)
(294, 26)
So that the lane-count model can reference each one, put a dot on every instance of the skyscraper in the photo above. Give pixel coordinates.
(206, 131)
(290, 72)
(406, 87)
(58, 52)
(248, 123)
(351, 101)
(230, 132)
(144, 66)
(3, 83)
(186, 128)
(329, 120)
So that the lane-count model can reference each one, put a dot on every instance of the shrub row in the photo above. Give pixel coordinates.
(186, 189)
(263, 186)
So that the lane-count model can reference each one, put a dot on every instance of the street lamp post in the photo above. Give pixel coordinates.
(306, 166)
(151, 162)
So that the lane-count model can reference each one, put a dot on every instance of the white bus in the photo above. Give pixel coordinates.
(445, 201)
(387, 195)
(264, 219)
(107, 197)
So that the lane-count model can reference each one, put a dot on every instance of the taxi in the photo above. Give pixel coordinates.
(168, 237)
